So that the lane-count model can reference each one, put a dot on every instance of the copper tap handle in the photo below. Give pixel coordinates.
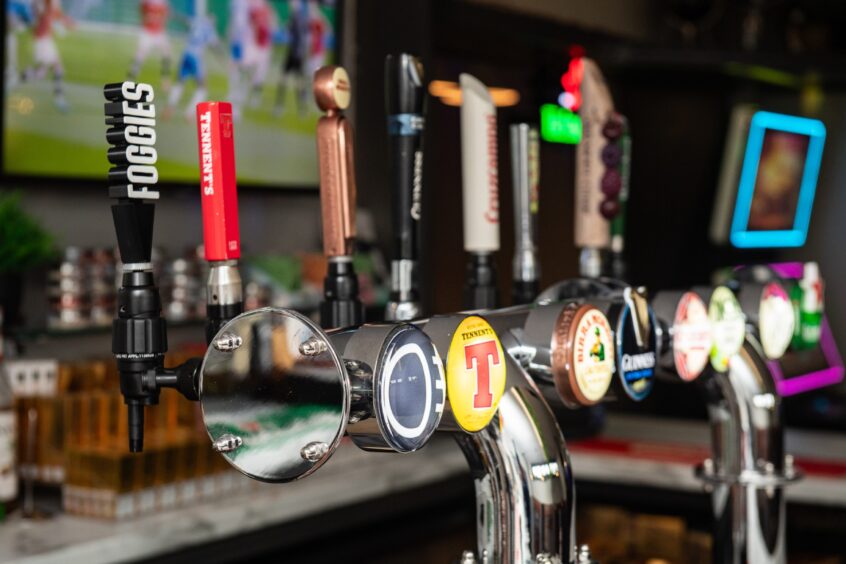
(335, 156)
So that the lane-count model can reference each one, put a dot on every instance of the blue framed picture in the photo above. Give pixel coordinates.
(777, 182)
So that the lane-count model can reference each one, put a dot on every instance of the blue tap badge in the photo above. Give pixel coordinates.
(409, 389)
(637, 346)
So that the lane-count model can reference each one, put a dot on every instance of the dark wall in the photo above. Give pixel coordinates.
(678, 103)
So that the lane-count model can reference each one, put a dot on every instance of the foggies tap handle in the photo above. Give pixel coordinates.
(218, 191)
(139, 333)
(404, 100)
(480, 184)
(341, 306)
(525, 167)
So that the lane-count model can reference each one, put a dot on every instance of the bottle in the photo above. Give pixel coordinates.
(8, 436)
(811, 310)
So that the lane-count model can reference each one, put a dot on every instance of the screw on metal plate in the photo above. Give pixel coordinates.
(467, 557)
(228, 342)
(314, 451)
(227, 443)
(313, 347)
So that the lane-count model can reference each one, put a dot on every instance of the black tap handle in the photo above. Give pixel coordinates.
(404, 97)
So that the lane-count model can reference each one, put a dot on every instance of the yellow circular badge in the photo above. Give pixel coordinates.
(475, 373)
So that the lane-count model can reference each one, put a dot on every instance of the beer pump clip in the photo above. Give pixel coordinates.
(341, 306)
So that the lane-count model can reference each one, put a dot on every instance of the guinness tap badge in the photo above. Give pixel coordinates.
(131, 117)
(637, 347)
(475, 373)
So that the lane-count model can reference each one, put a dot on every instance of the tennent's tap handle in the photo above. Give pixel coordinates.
(525, 166)
(341, 306)
(404, 98)
(480, 192)
(139, 333)
(218, 189)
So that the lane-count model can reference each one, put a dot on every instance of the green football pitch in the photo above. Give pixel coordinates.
(42, 140)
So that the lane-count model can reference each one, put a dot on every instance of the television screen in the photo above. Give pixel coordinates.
(258, 54)
(776, 191)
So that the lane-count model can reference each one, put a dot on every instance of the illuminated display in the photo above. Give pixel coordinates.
(778, 181)
(560, 125)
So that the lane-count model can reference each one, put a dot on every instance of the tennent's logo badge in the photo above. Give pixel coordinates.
(475, 373)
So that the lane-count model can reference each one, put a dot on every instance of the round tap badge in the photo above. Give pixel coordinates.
(475, 373)
(637, 350)
(411, 390)
(692, 338)
(776, 320)
(583, 355)
(728, 325)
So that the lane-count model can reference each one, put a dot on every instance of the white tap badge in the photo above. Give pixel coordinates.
(776, 320)
(592, 229)
(479, 167)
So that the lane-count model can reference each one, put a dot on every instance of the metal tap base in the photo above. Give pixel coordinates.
(749, 470)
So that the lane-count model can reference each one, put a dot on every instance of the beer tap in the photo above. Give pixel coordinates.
(341, 306)
(512, 443)
(139, 332)
(480, 182)
(525, 167)
(218, 192)
(405, 102)
(744, 408)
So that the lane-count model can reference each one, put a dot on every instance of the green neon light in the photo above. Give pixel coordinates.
(560, 125)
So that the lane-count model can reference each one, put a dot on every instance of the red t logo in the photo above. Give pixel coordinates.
(483, 355)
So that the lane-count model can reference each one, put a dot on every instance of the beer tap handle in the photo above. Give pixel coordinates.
(405, 96)
(218, 191)
(139, 332)
(592, 228)
(341, 306)
(525, 168)
(480, 191)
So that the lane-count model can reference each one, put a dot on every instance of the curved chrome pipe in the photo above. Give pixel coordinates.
(525, 500)
(519, 462)
(749, 470)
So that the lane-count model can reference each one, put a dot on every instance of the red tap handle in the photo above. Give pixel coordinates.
(218, 187)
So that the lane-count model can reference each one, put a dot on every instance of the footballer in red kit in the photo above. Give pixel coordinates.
(153, 39)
